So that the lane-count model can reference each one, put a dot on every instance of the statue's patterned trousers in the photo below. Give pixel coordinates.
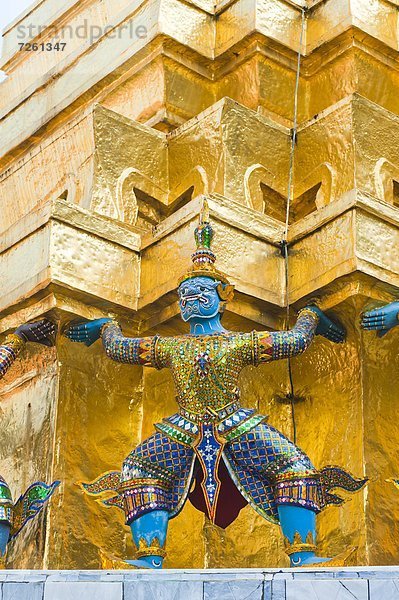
(261, 467)
(220, 467)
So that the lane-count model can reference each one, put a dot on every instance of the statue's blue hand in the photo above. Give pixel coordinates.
(42, 332)
(381, 319)
(87, 332)
(326, 328)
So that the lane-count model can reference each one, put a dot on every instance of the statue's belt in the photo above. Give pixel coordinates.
(184, 430)
(209, 413)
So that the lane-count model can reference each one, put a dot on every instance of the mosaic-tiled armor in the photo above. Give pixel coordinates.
(234, 456)
(211, 426)
(14, 516)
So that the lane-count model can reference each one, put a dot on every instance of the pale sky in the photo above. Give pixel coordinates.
(9, 9)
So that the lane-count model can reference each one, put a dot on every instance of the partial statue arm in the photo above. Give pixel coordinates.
(381, 319)
(9, 351)
(41, 332)
(284, 344)
(135, 351)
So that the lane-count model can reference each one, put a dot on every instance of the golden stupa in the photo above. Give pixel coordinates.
(108, 148)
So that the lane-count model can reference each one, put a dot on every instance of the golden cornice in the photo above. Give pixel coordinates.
(236, 48)
(274, 8)
(221, 209)
(365, 277)
(211, 75)
(248, 30)
(256, 43)
(101, 226)
(178, 170)
(346, 146)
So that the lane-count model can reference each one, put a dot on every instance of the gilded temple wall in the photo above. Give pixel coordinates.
(99, 416)
(107, 151)
(28, 399)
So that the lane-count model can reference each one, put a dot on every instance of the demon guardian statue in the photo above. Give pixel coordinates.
(232, 453)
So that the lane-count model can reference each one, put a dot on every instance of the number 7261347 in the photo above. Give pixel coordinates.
(45, 47)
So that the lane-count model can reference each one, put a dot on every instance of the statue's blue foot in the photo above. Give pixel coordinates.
(111, 562)
(315, 560)
(309, 559)
(149, 536)
(304, 559)
(299, 528)
(147, 562)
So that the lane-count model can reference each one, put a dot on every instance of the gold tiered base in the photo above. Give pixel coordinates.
(348, 558)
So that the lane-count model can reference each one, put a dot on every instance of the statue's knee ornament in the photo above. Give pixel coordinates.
(299, 489)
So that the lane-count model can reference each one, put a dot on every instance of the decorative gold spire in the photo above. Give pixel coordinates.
(204, 258)
(299, 545)
(150, 549)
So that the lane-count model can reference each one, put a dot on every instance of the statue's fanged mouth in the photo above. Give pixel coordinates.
(203, 299)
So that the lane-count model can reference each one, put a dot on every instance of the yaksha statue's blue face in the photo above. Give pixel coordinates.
(198, 298)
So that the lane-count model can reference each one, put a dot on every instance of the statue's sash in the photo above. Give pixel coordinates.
(209, 448)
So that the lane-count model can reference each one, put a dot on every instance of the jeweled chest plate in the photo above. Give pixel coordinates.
(206, 369)
(202, 363)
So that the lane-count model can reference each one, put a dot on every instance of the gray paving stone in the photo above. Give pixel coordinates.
(305, 574)
(360, 583)
(21, 576)
(162, 590)
(384, 589)
(267, 590)
(349, 589)
(279, 589)
(23, 591)
(234, 590)
(81, 590)
(99, 576)
(168, 575)
(346, 575)
(383, 573)
(233, 574)
(64, 576)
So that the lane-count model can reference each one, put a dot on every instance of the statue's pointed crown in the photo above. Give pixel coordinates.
(204, 258)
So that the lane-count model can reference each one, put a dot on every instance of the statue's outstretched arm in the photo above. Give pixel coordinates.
(135, 351)
(283, 344)
(41, 332)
